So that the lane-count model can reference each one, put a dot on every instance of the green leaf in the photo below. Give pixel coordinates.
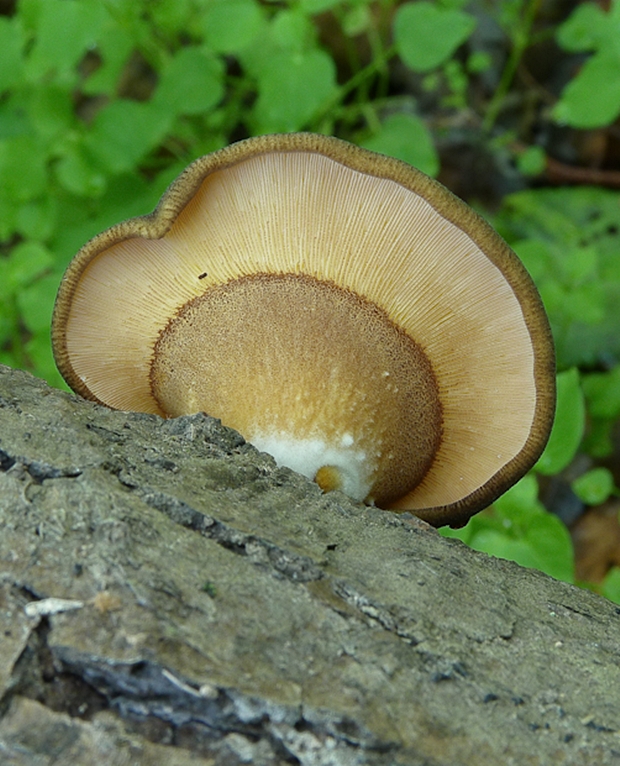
(586, 303)
(8, 217)
(592, 98)
(64, 31)
(407, 138)
(36, 301)
(544, 545)
(172, 17)
(427, 35)
(192, 83)
(568, 427)
(231, 25)
(77, 173)
(13, 117)
(598, 442)
(580, 262)
(611, 585)
(26, 262)
(602, 391)
(11, 46)
(125, 131)
(51, 111)
(23, 173)
(357, 20)
(291, 87)
(501, 546)
(6, 301)
(532, 161)
(536, 256)
(114, 46)
(479, 61)
(594, 487)
(519, 503)
(292, 30)
(37, 219)
(551, 544)
(579, 278)
(583, 29)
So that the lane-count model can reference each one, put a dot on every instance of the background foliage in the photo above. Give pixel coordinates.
(103, 102)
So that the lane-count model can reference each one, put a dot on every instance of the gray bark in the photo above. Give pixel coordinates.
(221, 610)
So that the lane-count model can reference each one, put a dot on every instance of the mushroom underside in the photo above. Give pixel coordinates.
(309, 372)
(363, 329)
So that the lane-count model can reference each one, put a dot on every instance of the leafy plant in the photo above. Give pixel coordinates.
(610, 587)
(602, 392)
(428, 34)
(568, 240)
(595, 486)
(592, 97)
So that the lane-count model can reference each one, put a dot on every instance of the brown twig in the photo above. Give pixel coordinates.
(559, 173)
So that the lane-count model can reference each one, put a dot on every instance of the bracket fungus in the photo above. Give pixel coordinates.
(340, 309)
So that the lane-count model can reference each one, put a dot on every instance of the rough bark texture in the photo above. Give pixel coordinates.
(221, 610)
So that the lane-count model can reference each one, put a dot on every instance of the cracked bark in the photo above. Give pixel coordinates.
(227, 612)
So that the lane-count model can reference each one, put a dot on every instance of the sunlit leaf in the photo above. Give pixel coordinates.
(23, 171)
(291, 88)
(427, 34)
(192, 83)
(595, 486)
(11, 57)
(26, 262)
(36, 302)
(611, 585)
(231, 25)
(592, 98)
(124, 132)
(64, 31)
(568, 426)
(602, 392)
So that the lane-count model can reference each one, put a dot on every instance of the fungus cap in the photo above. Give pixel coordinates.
(339, 308)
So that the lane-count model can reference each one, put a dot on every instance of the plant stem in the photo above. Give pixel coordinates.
(521, 40)
(360, 77)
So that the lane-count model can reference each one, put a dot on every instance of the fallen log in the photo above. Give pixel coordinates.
(169, 595)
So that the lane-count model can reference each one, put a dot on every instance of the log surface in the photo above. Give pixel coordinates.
(169, 595)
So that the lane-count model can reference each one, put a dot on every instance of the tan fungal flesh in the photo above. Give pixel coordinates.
(309, 366)
(302, 212)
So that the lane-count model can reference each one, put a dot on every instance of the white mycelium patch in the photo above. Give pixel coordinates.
(306, 456)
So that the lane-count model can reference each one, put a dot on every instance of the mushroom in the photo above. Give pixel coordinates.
(340, 309)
